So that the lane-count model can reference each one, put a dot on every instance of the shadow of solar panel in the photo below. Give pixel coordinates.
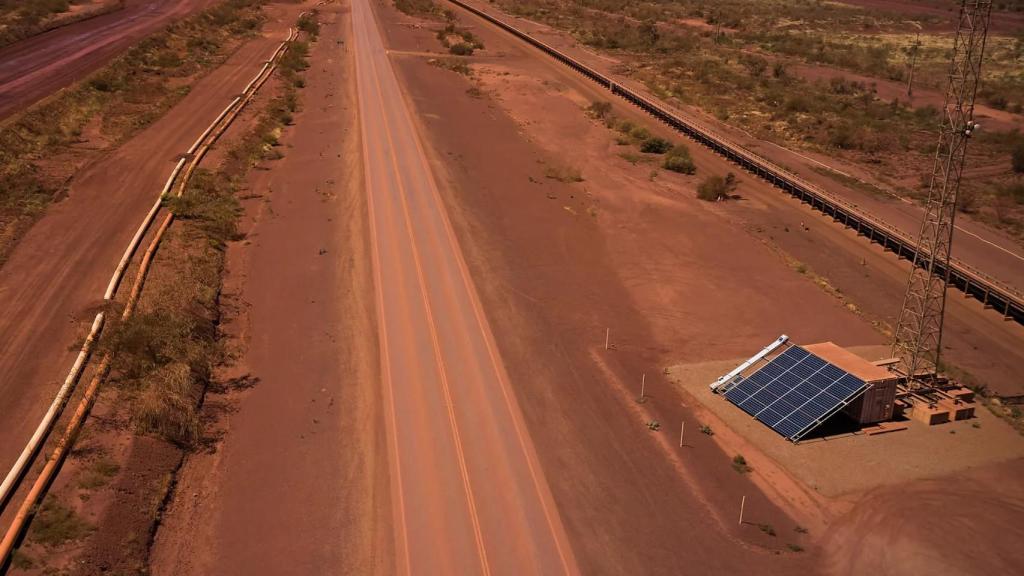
(795, 392)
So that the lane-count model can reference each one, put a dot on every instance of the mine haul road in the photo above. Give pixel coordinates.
(36, 67)
(468, 493)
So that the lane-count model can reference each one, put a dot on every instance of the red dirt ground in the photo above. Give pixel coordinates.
(668, 274)
(555, 265)
(38, 66)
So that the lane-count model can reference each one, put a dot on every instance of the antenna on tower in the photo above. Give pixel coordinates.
(918, 338)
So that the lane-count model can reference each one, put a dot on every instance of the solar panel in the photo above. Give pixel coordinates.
(795, 392)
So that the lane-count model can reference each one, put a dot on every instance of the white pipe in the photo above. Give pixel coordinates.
(115, 280)
(210, 128)
(51, 415)
(756, 357)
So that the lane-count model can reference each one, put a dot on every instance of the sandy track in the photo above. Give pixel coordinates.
(34, 68)
(468, 492)
(55, 277)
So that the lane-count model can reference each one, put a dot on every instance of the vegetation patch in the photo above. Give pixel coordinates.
(55, 524)
(739, 464)
(678, 160)
(454, 64)
(563, 174)
(655, 146)
(98, 474)
(457, 40)
(418, 7)
(599, 109)
(714, 188)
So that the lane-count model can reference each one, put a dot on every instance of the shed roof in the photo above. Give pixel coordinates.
(846, 360)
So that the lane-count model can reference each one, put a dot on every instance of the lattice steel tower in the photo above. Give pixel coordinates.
(918, 337)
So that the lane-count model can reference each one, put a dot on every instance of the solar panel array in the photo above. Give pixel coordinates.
(794, 392)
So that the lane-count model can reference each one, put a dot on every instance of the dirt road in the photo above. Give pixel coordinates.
(469, 496)
(34, 68)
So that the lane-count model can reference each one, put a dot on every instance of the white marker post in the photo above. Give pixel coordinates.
(743, 503)
(607, 335)
(643, 386)
(682, 430)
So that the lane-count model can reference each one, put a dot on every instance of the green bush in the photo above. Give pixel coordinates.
(639, 133)
(655, 146)
(678, 160)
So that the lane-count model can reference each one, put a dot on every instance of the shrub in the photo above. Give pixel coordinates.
(739, 464)
(563, 174)
(681, 164)
(1014, 191)
(461, 49)
(678, 160)
(715, 188)
(308, 24)
(655, 146)
(639, 133)
(1017, 157)
(599, 109)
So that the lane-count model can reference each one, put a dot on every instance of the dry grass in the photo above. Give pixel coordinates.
(454, 64)
(167, 406)
(98, 474)
(55, 524)
(422, 8)
(565, 174)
